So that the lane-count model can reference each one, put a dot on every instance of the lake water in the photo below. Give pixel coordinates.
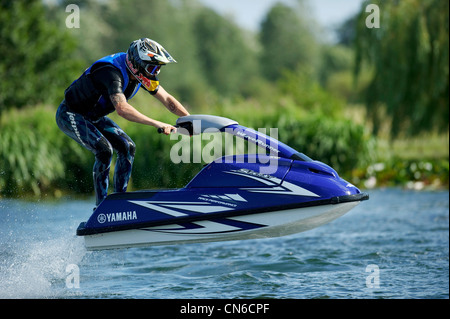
(394, 246)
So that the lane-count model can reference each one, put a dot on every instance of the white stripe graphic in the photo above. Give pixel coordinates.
(165, 207)
(201, 209)
(285, 188)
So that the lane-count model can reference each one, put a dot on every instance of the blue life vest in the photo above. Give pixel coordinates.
(118, 60)
(82, 97)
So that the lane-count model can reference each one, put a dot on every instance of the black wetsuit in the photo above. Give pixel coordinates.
(82, 116)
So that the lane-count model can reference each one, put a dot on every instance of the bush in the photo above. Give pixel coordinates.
(35, 155)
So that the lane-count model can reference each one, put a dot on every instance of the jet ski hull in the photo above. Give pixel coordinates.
(253, 226)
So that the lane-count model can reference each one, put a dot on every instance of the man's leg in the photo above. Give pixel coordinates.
(125, 148)
(87, 135)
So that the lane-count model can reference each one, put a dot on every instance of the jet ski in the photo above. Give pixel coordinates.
(272, 193)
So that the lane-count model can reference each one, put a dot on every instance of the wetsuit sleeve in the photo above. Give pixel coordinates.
(108, 80)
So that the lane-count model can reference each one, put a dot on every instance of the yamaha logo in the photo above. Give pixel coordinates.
(117, 217)
(101, 218)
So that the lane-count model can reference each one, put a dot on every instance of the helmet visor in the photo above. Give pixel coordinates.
(152, 69)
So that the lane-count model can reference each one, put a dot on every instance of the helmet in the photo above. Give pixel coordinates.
(145, 58)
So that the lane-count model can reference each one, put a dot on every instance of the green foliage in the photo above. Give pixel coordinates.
(308, 94)
(287, 41)
(36, 157)
(36, 64)
(335, 58)
(27, 162)
(340, 143)
(409, 55)
(410, 173)
(223, 53)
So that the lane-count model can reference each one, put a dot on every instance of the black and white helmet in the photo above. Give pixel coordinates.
(145, 58)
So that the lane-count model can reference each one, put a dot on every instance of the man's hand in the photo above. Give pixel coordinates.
(166, 128)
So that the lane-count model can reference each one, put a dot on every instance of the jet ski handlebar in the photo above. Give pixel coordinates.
(197, 124)
(160, 130)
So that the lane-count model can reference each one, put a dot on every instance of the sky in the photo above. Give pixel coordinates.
(249, 13)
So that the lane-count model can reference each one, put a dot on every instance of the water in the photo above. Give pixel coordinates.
(394, 246)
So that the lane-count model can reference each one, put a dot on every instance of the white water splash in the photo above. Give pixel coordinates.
(37, 269)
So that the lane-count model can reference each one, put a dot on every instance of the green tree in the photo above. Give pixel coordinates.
(287, 41)
(346, 32)
(91, 45)
(409, 56)
(36, 55)
(335, 58)
(226, 60)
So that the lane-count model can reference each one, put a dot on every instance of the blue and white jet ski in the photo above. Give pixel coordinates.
(248, 196)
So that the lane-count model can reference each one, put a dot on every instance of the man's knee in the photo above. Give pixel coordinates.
(126, 148)
(104, 151)
(131, 148)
